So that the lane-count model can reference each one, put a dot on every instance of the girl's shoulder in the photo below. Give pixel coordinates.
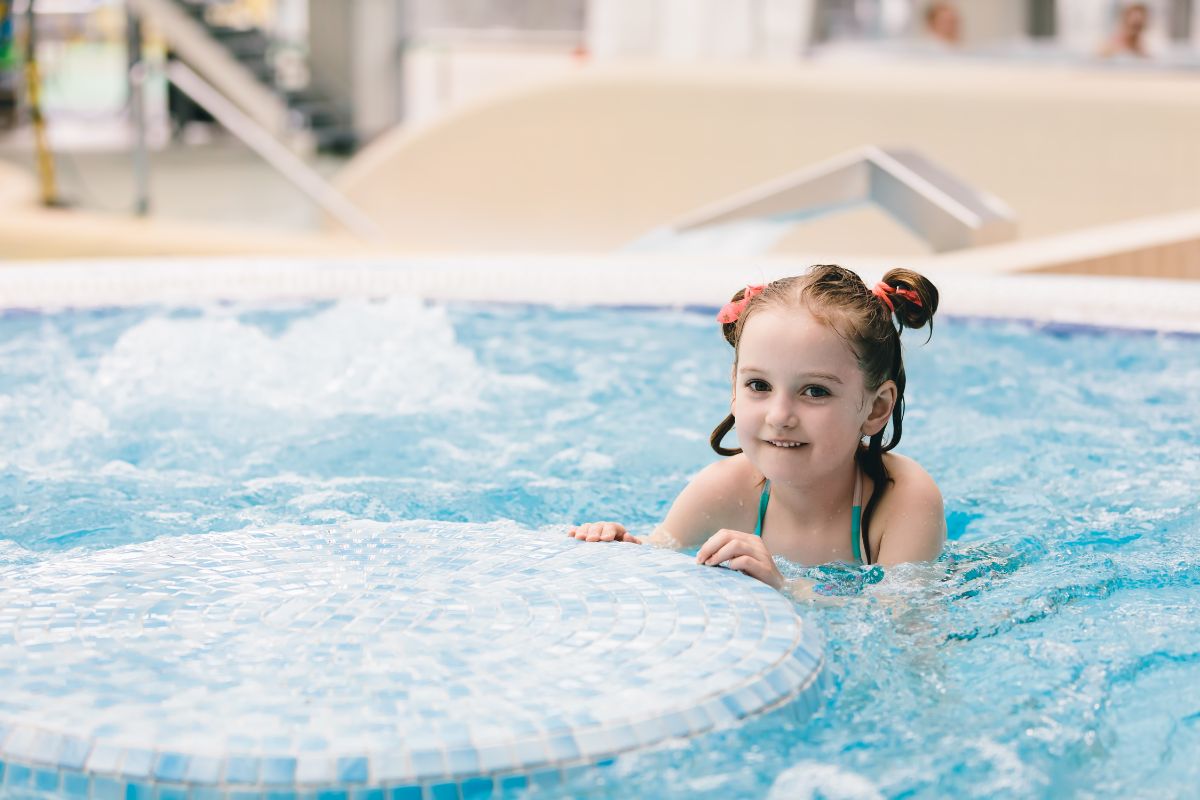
(908, 475)
(910, 523)
(731, 477)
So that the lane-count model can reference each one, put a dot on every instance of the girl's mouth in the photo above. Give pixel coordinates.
(784, 443)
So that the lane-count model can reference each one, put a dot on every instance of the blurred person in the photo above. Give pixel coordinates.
(943, 23)
(1131, 27)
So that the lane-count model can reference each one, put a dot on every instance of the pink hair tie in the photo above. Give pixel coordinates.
(882, 290)
(734, 308)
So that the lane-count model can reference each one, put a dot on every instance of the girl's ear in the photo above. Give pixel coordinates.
(881, 408)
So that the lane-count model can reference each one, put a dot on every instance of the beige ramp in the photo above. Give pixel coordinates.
(598, 161)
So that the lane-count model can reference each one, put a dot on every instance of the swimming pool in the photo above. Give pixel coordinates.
(1055, 653)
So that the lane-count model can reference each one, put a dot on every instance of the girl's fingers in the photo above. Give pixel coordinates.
(727, 544)
(729, 550)
(601, 532)
(714, 543)
(749, 565)
(582, 532)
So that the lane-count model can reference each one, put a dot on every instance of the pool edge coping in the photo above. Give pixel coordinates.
(626, 280)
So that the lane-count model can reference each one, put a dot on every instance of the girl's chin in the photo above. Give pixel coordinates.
(784, 465)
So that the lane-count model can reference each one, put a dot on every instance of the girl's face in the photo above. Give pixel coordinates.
(799, 398)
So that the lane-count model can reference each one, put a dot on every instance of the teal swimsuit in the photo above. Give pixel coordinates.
(855, 516)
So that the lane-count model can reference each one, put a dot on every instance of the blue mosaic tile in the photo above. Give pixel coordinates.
(137, 763)
(45, 780)
(462, 761)
(546, 779)
(305, 681)
(75, 785)
(278, 770)
(139, 791)
(352, 770)
(202, 770)
(17, 775)
(478, 789)
(170, 767)
(171, 793)
(241, 769)
(107, 789)
(427, 764)
(72, 753)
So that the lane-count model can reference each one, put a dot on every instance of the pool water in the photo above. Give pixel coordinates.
(1054, 651)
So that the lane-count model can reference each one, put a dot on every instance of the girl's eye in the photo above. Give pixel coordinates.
(758, 385)
(816, 391)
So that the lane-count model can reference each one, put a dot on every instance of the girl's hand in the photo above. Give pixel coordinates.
(603, 532)
(745, 552)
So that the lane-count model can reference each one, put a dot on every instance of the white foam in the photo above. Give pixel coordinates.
(813, 779)
(358, 357)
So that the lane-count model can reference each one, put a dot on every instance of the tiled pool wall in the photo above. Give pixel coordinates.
(416, 659)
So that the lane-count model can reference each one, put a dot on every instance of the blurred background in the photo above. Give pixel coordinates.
(278, 119)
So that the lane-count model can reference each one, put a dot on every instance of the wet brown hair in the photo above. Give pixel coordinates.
(839, 298)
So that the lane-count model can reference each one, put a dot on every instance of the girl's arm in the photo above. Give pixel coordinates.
(714, 499)
(707, 504)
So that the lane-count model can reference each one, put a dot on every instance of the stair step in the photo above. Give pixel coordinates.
(339, 140)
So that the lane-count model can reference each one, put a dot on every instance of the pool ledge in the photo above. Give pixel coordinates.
(623, 280)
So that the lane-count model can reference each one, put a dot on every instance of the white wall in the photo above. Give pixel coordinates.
(698, 30)
(355, 59)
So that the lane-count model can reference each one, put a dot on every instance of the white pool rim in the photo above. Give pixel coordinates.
(1153, 304)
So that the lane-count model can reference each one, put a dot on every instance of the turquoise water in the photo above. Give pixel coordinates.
(1055, 651)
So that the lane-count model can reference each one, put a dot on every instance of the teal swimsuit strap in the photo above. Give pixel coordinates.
(856, 532)
(763, 499)
(856, 520)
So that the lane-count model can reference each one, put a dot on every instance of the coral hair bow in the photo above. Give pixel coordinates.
(734, 308)
(882, 290)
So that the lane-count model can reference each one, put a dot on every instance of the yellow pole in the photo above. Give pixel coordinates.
(33, 86)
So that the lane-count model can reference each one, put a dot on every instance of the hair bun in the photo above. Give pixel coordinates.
(910, 313)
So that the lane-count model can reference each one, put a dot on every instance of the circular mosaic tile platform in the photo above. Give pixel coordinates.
(424, 658)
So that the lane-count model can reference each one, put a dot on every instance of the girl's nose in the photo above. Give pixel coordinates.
(781, 414)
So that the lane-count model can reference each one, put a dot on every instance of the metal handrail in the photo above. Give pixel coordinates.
(274, 152)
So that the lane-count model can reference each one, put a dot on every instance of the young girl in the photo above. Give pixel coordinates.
(817, 368)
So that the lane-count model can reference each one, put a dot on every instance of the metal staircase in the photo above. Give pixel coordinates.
(255, 51)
